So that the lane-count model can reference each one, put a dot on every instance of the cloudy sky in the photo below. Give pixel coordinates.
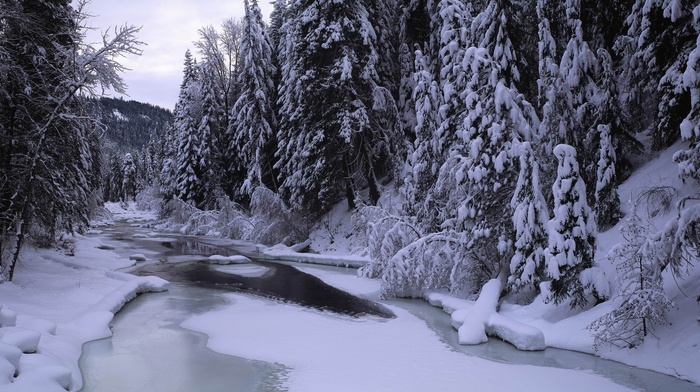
(168, 27)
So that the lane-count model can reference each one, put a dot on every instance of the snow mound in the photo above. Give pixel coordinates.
(249, 271)
(285, 253)
(224, 260)
(8, 318)
(474, 321)
(137, 257)
(133, 286)
(24, 339)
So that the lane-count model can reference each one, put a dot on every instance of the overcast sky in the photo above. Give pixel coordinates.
(168, 27)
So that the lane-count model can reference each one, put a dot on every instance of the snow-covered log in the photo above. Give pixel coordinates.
(475, 321)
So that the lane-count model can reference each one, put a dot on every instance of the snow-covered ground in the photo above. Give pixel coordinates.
(324, 351)
(55, 304)
(58, 302)
(672, 349)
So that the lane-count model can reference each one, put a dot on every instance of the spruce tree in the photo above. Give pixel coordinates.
(129, 173)
(421, 163)
(659, 39)
(572, 231)
(607, 199)
(253, 120)
(334, 140)
(485, 167)
(190, 145)
(530, 217)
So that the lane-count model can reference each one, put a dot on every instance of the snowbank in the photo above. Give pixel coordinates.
(474, 320)
(323, 352)
(55, 305)
(284, 253)
(224, 260)
(250, 271)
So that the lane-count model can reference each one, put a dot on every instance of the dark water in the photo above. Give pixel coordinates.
(281, 282)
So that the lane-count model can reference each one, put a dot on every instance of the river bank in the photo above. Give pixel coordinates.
(69, 300)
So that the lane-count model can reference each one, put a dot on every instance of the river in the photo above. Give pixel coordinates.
(151, 351)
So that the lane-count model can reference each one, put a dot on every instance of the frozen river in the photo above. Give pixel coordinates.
(151, 350)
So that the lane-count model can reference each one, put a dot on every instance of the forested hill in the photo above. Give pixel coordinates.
(129, 124)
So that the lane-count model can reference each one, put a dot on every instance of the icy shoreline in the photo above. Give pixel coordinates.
(55, 304)
(38, 354)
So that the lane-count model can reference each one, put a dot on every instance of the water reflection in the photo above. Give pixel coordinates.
(282, 282)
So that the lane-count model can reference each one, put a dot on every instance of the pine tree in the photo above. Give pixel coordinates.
(190, 146)
(485, 168)
(406, 106)
(607, 200)
(212, 132)
(527, 266)
(452, 24)
(657, 45)
(578, 68)
(253, 124)
(689, 160)
(129, 173)
(421, 164)
(491, 30)
(334, 140)
(572, 231)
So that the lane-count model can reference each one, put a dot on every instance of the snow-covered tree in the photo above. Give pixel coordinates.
(659, 39)
(405, 104)
(190, 145)
(211, 131)
(253, 118)
(641, 302)
(129, 177)
(556, 109)
(491, 30)
(578, 68)
(478, 182)
(332, 136)
(689, 160)
(452, 23)
(572, 231)
(49, 152)
(530, 217)
(421, 164)
(607, 200)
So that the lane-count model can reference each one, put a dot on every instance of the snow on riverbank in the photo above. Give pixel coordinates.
(325, 351)
(55, 304)
(672, 349)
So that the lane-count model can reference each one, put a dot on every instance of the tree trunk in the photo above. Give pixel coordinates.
(349, 189)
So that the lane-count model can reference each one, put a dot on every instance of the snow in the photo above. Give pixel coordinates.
(322, 351)
(236, 259)
(281, 252)
(55, 304)
(250, 271)
(474, 320)
(137, 257)
(672, 349)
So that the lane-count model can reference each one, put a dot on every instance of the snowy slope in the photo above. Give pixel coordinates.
(672, 349)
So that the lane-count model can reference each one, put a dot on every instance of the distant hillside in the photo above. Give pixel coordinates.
(129, 123)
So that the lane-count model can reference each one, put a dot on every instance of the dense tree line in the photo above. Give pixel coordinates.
(128, 125)
(49, 147)
(506, 126)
